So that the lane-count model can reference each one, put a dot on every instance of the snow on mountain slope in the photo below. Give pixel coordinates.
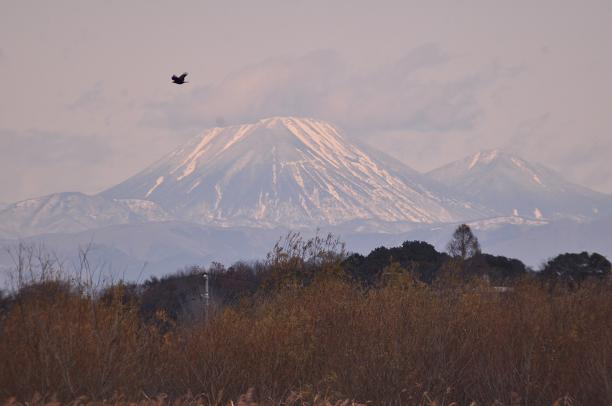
(294, 172)
(514, 187)
(71, 212)
(466, 209)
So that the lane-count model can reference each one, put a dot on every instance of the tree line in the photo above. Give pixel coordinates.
(295, 260)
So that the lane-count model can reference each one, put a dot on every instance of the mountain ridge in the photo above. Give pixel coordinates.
(288, 171)
(74, 212)
(511, 185)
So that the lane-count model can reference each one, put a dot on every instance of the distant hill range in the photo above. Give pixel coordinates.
(229, 193)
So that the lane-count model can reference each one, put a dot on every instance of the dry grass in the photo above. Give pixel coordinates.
(403, 343)
(249, 398)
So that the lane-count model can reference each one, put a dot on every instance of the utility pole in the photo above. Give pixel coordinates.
(206, 297)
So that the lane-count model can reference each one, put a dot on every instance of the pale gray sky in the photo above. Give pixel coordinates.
(85, 97)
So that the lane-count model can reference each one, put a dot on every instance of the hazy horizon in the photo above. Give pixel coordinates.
(87, 99)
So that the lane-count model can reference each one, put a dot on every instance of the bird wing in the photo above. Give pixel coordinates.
(183, 76)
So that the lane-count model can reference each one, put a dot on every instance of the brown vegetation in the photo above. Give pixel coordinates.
(402, 342)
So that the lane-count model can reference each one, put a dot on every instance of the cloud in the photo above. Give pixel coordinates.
(539, 139)
(277, 86)
(413, 93)
(91, 99)
(44, 162)
(586, 163)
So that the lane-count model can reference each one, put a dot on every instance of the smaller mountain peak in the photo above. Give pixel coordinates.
(490, 154)
(484, 157)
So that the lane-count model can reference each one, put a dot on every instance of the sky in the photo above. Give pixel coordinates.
(86, 99)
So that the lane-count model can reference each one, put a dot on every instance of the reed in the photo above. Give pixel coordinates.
(401, 343)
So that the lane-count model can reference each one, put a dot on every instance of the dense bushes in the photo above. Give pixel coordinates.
(318, 330)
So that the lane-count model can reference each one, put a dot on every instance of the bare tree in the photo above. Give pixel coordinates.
(464, 243)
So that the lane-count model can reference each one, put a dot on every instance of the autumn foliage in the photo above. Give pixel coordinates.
(325, 336)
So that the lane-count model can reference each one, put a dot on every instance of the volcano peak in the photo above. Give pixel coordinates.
(289, 171)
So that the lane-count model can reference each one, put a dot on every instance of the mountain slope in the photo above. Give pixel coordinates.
(466, 209)
(293, 172)
(513, 186)
(72, 212)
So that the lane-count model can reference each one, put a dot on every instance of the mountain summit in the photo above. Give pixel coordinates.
(512, 186)
(285, 171)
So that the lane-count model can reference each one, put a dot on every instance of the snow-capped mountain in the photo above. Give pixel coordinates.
(512, 186)
(230, 193)
(285, 171)
(72, 212)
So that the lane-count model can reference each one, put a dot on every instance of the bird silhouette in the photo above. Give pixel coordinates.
(179, 80)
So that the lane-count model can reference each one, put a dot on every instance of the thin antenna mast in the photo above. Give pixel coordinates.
(206, 297)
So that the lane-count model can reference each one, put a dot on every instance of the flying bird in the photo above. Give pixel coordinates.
(179, 80)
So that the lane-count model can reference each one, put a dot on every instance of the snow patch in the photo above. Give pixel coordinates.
(242, 131)
(297, 176)
(496, 222)
(488, 157)
(219, 195)
(537, 179)
(192, 158)
(195, 185)
(332, 191)
(518, 163)
(188, 171)
(484, 157)
(261, 206)
(149, 210)
(158, 182)
(474, 161)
